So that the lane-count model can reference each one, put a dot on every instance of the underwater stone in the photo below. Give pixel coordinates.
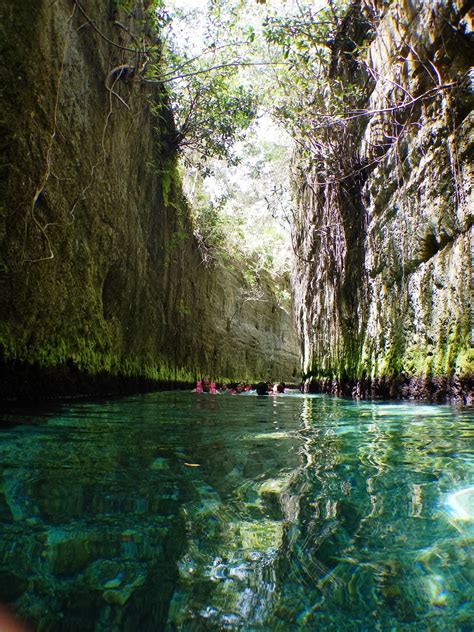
(160, 463)
(69, 550)
(257, 536)
(122, 595)
(274, 486)
(116, 579)
(115, 582)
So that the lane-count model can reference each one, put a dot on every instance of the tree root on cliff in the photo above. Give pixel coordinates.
(47, 172)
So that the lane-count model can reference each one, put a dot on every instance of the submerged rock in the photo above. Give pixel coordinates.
(160, 463)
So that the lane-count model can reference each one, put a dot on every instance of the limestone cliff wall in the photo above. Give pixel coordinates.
(100, 277)
(384, 266)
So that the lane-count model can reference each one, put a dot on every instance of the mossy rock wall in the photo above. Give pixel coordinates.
(101, 281)
(385, 307)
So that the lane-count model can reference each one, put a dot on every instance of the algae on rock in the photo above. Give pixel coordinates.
(383, 278)
(102, 282)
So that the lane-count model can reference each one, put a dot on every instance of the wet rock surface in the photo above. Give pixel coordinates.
(384, 280)
(102, 285)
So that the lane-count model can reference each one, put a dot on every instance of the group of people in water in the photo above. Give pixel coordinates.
(205, 385)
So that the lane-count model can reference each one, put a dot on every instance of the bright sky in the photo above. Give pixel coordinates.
(197, 4)
(256, 219)
(200, 5)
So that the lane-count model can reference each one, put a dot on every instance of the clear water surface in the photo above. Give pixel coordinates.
(176, 511)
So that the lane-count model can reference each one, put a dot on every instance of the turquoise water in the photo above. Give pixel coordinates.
(175, 511)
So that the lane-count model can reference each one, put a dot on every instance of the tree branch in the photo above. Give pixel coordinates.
(236, 64)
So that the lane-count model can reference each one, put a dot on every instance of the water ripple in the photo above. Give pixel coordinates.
(190, 512)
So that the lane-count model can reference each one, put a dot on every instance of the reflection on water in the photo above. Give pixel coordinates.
(461, 504)
(175, 511)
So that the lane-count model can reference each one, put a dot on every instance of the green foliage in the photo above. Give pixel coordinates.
(152, 6)
(309, 98)
(158, 15)
(215, 94)
(210, 104)
(125, 5)
(182, 309)
(304, 38)
(250, 277)
(211, 115)
(235, 217)
(169, 176)
(210, 222)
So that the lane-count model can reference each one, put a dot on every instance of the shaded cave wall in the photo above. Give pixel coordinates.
(101, 281)
(383, 267)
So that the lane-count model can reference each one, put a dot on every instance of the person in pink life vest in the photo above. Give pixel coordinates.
(205, 386)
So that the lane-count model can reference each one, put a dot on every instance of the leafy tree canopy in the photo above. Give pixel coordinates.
(203, 57)
(227, 64)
